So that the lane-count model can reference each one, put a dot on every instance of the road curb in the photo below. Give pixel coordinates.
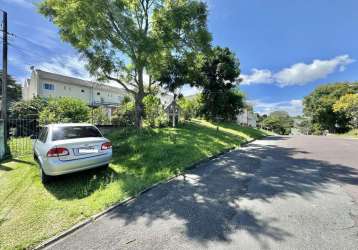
(129, 199)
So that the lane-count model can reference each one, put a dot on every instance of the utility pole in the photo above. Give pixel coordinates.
(4, 75)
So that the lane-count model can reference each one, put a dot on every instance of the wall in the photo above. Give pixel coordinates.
(63, 89)
(69, 87)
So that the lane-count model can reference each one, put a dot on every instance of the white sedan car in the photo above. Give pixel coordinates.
(67, 148)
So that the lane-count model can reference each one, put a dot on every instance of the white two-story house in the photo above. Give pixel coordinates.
(48, 84)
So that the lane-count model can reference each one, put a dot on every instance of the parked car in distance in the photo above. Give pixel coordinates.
(66, 148)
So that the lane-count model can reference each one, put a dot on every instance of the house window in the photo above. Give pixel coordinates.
(82, 90)
(48, 86)
(64, 87)
(98, 93)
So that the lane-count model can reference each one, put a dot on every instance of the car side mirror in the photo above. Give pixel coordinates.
(33, 137)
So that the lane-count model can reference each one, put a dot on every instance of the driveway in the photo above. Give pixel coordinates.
(282, 192)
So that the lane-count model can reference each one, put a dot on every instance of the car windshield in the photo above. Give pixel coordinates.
(74, 132)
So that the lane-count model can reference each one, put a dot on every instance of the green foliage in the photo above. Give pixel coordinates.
(218, 74)
(224, 105)
(99, 116)
(122, 40)
(28, 109)
(303, 125)
(260, 119)
(190, 107)
(319, 106)
(352, 133)
(139, 161)
(279, 122)
(348, 104)
(154, 112)
(65, 109)
(13, 90)
(124, 115)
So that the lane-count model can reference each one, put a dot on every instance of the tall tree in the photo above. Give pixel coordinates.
(319, 106)
(218, 76)
(348, 104)
(122, 39)
(278, 121)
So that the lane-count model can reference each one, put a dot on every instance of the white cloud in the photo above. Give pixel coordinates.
(296, 103)
(299, 73)
(257, 76)
(293, 107)
(66, 65)
(186, 90)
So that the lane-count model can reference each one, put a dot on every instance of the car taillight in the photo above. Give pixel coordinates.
(55, 152)
(106, 145)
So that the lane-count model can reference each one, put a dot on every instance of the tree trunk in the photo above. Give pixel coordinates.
(173, 109)
(139, 106)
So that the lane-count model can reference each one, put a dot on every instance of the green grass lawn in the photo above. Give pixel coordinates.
(352, 134)
(20, 146)
(31, 212)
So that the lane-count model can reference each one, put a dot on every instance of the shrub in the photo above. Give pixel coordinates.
(154, 113)
(279, 121)
(348, 105)
(124, 115)
(28, 109)
(190, 108)
(65, 109)
(99, 116)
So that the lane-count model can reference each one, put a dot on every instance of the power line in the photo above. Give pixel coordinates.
(27, 40)
(24, 52)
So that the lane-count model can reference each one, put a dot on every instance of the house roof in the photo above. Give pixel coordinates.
(166, 99)
(77, 81)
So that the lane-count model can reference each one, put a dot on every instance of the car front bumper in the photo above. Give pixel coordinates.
(55, 166)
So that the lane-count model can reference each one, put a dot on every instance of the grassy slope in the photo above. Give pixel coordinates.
(353, 133)
(30, 212)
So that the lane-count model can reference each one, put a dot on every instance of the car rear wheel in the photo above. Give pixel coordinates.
(105, 166)
(44, 177)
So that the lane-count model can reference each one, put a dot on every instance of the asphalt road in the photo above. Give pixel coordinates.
(278, 193)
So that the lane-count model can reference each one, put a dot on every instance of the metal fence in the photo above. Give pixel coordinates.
(19, 142)
(19, 132)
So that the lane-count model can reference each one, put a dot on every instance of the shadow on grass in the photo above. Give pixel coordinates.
(142, 159)
(5, 168)
(254, 133)
(207, 199)
(81, 184)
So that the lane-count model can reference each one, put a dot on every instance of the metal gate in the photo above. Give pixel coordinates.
(19, 141)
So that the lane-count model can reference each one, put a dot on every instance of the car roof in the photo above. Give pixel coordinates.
(69, 125)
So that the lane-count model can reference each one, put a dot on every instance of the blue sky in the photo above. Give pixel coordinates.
(286, 48)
